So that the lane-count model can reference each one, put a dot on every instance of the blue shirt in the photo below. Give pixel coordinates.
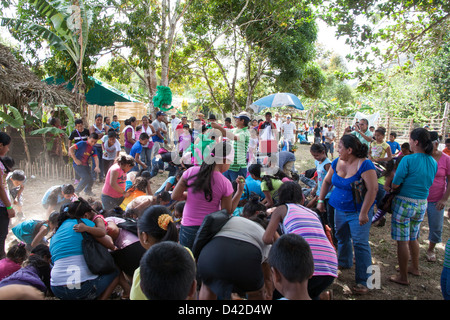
(115, 125)
(136, 148)
(252, 185)
(170, 180)
(415, 173)
(341, 197)
(394, 146)
(66, 242)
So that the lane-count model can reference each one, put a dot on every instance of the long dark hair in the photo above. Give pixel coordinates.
(359, 149)
(203, 178)
(74, 210)
(157, 223)
(423, 137)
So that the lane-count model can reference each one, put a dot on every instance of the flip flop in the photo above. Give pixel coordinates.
(360, 289)
(394, 279)
(431, 256)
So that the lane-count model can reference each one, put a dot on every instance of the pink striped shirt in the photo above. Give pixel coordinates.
(304, 222)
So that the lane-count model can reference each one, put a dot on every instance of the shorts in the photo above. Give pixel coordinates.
(407, 215)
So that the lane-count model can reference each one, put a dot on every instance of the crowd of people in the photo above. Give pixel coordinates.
(235, 218)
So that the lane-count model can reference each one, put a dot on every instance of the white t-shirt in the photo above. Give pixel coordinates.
(288, 129)
(111, 152)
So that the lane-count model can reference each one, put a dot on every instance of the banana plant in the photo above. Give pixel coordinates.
(67, 29)
(13, 118)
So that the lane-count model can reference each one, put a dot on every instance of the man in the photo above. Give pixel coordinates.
(278, 121)
(288, 130)
(268, 135)
(240, 136)
(362, 132)
(161, 132)
(173, 125)
(80, 133)
(81, 153)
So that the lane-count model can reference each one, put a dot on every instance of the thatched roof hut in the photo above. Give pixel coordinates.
(19, 85)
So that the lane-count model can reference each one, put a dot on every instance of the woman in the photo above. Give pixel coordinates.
(154, 226)
(352, 220)
(438, 195)
(415, 174)
(234, 261)
(6, 210)
(113, 191)
(302, 221)
(129, 134)
(205, 190)
(71, 278)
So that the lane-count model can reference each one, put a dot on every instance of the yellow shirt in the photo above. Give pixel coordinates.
(136, 291)
(378, 150)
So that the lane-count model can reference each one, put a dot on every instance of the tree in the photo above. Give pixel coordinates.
(388, 31)
(65, 26)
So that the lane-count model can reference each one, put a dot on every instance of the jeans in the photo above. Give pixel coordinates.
(187, 235)
(348, 232)
(146, 157)
(99, 152)
(445, 283)
(435, 222)
(86, 180)
(88, 290)
(232, 175)
(109, 203)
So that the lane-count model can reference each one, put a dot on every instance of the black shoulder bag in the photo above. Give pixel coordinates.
(98, 258)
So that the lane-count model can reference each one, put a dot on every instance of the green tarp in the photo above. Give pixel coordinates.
(101, 94)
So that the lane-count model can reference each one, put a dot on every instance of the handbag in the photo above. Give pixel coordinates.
(210, 226)
(359, 191)
(98, 258)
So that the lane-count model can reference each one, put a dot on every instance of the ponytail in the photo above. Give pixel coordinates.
(424, 139)
(359, 149)
(157, 223)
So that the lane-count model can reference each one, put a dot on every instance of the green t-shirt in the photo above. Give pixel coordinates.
(240, 148)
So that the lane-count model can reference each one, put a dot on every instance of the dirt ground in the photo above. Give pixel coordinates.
(384, 255)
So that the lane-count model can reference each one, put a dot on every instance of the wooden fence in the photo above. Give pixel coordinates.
(53, 169)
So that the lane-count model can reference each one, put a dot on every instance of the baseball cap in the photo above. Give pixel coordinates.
(243, 114)
(160, 113)
(212, 117)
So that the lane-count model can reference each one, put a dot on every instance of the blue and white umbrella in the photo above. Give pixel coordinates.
(277, 100)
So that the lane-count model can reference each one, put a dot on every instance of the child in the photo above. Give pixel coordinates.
(185, 139)
(111, 149)
(253, 207)
(322, 164)
(35, 271)
(32, 232)
(57, 196)
(136, 151)
(170, 183)
(406, 149)
(395, 146)
(447, 147)
(292, 265)
(139, 188)
(155, 226)
(16, 184)
(137, 133)
(168, 272)
(15, 256)
(178, 213)
(141, 203)
(379, 150)
(386, 178)
(115, 124)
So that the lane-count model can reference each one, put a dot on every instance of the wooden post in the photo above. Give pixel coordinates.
(444, 121)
